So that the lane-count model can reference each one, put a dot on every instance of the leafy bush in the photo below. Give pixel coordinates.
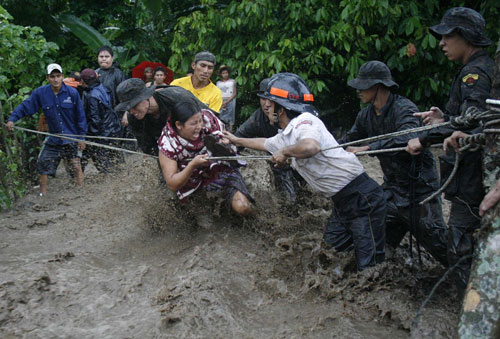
(24, 54)
(325, 42)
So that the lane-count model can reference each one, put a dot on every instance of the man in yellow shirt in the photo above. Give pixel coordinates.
(199, 82)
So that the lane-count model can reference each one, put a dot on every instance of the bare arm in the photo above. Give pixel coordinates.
(491, 199)
(253, 143)
(175, 179)
(305, 148)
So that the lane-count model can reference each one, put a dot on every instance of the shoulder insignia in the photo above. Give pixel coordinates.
(470, 79)
(304, 122)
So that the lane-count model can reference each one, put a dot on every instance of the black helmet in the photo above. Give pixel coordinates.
(291, 92)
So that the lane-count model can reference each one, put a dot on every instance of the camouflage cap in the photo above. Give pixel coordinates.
(467, 22)
(131, 92)
(372, 73)
(263, 85)
(204, 56)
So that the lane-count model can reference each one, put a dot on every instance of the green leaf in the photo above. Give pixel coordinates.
(87, 34)
(433, 85)
(409, 27)
(347, 47)
(432, 41)
(425, 42)
(153, 5)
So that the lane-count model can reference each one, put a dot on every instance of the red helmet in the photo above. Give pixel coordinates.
(291, 92)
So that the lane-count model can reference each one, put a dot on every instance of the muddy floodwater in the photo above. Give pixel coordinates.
(121, 258)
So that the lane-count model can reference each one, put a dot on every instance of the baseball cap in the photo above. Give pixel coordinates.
(54, 67)
(88, 74)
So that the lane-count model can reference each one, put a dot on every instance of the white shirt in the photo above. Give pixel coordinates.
(327, 171)
(226, 87)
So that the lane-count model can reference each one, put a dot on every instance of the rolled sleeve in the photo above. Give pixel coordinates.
(275, 143)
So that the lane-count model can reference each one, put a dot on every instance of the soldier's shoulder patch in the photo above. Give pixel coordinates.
(304, 122)
(470, 79)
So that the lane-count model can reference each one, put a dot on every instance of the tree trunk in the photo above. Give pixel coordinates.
(481, 309)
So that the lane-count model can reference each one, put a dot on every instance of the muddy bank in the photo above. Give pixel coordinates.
(121, 258)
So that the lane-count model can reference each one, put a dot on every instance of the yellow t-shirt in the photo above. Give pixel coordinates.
(209, 95)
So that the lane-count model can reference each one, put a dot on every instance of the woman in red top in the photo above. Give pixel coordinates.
(183, 138)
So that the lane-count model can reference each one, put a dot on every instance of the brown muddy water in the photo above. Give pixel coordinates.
(121, 258)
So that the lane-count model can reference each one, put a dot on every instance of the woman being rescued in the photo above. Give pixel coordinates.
(184, 137)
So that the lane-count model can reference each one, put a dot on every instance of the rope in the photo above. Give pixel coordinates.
(85, 142)
(443, 278)
(267, 157)
(447, 182)
(389, 135)
(96, 137)
(222, 158)
(472, 142)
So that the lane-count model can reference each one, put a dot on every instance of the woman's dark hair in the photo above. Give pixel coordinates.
(183, 110)
(159, 68)
(105, 48)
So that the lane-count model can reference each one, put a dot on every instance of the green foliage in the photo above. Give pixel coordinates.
(84, 32)
(24, 54)
(325, 42)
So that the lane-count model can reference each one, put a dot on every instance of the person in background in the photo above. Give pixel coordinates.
(199, 83)
(63, 110)
(148, 75)
(109, 72)
(102, 121)
(228, 89)
(159, 76)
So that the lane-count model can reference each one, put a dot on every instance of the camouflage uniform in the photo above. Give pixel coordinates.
(471, 86)
(480, 318)
(407, 179)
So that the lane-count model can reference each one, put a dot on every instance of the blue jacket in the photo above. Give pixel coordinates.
(101, 118)
(63, 112)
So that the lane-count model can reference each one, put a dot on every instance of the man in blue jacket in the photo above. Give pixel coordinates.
(63, 111)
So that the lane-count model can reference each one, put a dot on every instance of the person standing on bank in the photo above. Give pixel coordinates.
(64, 114)
(228, 89)
(109, 74)
(199, 82)
(462, 40)
(358, 215)
(407, 179)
